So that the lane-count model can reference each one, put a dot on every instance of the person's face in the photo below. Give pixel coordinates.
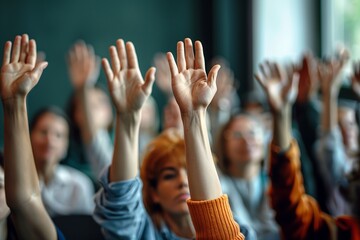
(4, 209)
(172, 190)
(49, 139)
(244, 141)
(349, 128)
(101, 112)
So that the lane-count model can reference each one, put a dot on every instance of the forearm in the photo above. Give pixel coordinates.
(21, 177)
(87, 126)
(124, 164)
(282, 128)
(203, 179)
(329, 114)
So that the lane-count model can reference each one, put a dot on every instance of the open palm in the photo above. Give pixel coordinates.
(192, 87)
(19, 72)
(279, 85)
(126, 85)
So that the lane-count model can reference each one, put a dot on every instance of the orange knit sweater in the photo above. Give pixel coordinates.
(297, 213)
(213, 219)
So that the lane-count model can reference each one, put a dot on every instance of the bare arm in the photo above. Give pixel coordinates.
(330, 83)
(281, 90)
(84, 66)
(128, 91)
(193, 90)
(19, 74)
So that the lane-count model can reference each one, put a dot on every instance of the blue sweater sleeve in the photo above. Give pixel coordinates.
(120, 211)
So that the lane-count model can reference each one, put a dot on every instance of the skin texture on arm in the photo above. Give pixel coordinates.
(128, 92)
(19, 74)
(84, 69)
(193, 90)
(330, 83)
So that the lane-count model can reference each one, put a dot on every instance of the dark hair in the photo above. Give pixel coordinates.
(50, 109)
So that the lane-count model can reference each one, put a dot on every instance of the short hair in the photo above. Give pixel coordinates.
(169, 146)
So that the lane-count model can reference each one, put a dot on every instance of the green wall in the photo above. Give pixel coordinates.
(153, 26)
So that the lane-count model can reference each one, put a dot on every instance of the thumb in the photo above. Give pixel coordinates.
(149, 80)
(38, 70)
(213, 75)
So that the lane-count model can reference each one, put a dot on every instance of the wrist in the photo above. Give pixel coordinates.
(14, 102)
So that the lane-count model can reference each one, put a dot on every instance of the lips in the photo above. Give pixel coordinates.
(183, 196)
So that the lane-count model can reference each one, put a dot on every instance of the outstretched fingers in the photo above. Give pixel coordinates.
(149, 80)
(189, 54)
(107, 69)
(199, 56)
(173, 67)
(15, 54)
(180, 57)
(24, 47)
(132, 60)
(114, 58)
(7, 53)
(213, 76)
(31, 56)
(120, 47)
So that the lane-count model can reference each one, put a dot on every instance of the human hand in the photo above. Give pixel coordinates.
(308, 78)
(225, 86)
(163, 75)
(192, 87)
(127, 88)
(83, 65)
(279, 85)
(329, 73)
(20, 72)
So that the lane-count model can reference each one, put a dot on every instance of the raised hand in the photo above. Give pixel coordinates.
(280, 85)
(126, 85)
(309, 80)
(355, 79)
(192, 87)
(163, 75)
(19, 71)
(83, 65)
(225, 86)
(330, 74)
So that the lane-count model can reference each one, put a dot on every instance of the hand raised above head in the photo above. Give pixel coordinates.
(280, 86)
(192, 87)
(127, 87)
(19, 71)
(83, 65)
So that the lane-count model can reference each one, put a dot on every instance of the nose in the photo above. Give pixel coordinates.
(183, 179)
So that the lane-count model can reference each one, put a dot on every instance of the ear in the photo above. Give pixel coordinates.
(154, 196)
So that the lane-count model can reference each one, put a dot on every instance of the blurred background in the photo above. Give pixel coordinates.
(244, 32)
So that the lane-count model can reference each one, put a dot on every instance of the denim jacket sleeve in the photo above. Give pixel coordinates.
(120, 211)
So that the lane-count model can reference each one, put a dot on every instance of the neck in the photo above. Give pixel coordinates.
(182, 225)
(245, 171)
(3, 229)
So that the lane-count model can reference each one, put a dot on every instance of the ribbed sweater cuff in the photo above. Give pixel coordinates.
(213, 219)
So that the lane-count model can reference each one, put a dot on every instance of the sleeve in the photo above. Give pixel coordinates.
(119, 209)
(297, 213)
(213, 219)
(60, 235)
(331, 155)
(99, 152)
